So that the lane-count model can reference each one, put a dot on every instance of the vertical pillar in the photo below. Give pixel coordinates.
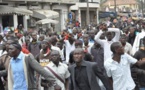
(1, 27)
(97, 16)
(79, 16)
(15, 20)
(25, 22)
(62, 19)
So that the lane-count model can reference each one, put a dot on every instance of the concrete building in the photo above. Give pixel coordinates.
(80, 10)
(122, 5)
(60, 6)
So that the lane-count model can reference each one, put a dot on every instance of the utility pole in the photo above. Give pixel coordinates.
(88, 13)
(142, 3)
(115, 7)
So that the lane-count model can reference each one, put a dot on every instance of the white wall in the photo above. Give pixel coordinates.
(64, 14)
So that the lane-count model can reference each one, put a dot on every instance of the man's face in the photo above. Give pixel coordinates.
(85, 38)
(8, 44)
(44, 45)
(120, 49)
(58, 44)
(74, 31)
(12, 51)
(34, 36)
(123, 40)
(41, 38)
(92, 34)
(109, 35)
(132, 30)
(78, 45)
(54, 56)
(78, 56)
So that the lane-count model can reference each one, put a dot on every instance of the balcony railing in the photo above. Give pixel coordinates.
(55, 1)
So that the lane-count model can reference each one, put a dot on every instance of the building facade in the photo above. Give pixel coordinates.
(60, 6)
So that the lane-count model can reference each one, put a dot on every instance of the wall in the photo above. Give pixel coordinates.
(63, 14)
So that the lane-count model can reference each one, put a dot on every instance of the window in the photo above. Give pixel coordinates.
(83, 0)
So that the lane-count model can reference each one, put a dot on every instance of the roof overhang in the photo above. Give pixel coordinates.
(14, 10)
(42, 14)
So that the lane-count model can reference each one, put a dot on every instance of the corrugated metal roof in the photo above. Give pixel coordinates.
(120, 2)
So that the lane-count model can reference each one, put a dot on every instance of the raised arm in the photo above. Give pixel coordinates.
(36, 66)
(102, 77)
(117, 33)
(97, 38)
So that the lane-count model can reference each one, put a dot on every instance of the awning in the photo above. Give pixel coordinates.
(47, 21)
(14, 10)
(42, 14)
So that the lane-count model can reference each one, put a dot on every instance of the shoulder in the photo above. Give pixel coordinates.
(108, 62)
(128, 44)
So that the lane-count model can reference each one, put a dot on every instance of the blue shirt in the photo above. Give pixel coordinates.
(18, 73)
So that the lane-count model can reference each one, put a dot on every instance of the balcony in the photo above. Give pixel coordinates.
(51, 1)
(91, 1)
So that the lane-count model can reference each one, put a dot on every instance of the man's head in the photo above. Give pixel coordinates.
(109, 36)
(53, 40)
(41, 37)
(46, 43)
(123, 39)
(27, 39)
(78, 44)
(117, 48)
(132, 30)
(59, 44)
(54, 56)
(75, 31)
(92, 34)
(86, 38)
(34, 36)
(78, 55)
(10, 41)
(71, 37)
(14, 50)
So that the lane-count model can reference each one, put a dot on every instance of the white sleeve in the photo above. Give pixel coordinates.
(117, 33)
(107, 68)
(136, 44)
(130, 59)
(97, 38)
(67, 74)
(130, 49)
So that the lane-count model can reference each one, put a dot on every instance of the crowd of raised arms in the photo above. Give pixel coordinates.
(106, 56)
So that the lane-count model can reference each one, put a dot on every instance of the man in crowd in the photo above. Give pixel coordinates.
(34, 46)
(118, 68)
(140, 71)
(110, 39)
(86, 42)
(61, 71)
(21, 69)
(84, 73)
(127, 46)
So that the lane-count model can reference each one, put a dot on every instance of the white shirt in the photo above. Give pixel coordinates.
(128, 48)
(120, 72)
(137, 42)
(68, 49)
(61, 71)
(105, 43)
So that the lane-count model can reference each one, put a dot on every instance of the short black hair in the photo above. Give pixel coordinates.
(114, 46)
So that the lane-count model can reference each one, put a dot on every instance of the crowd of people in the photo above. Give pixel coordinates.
(107, 56)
